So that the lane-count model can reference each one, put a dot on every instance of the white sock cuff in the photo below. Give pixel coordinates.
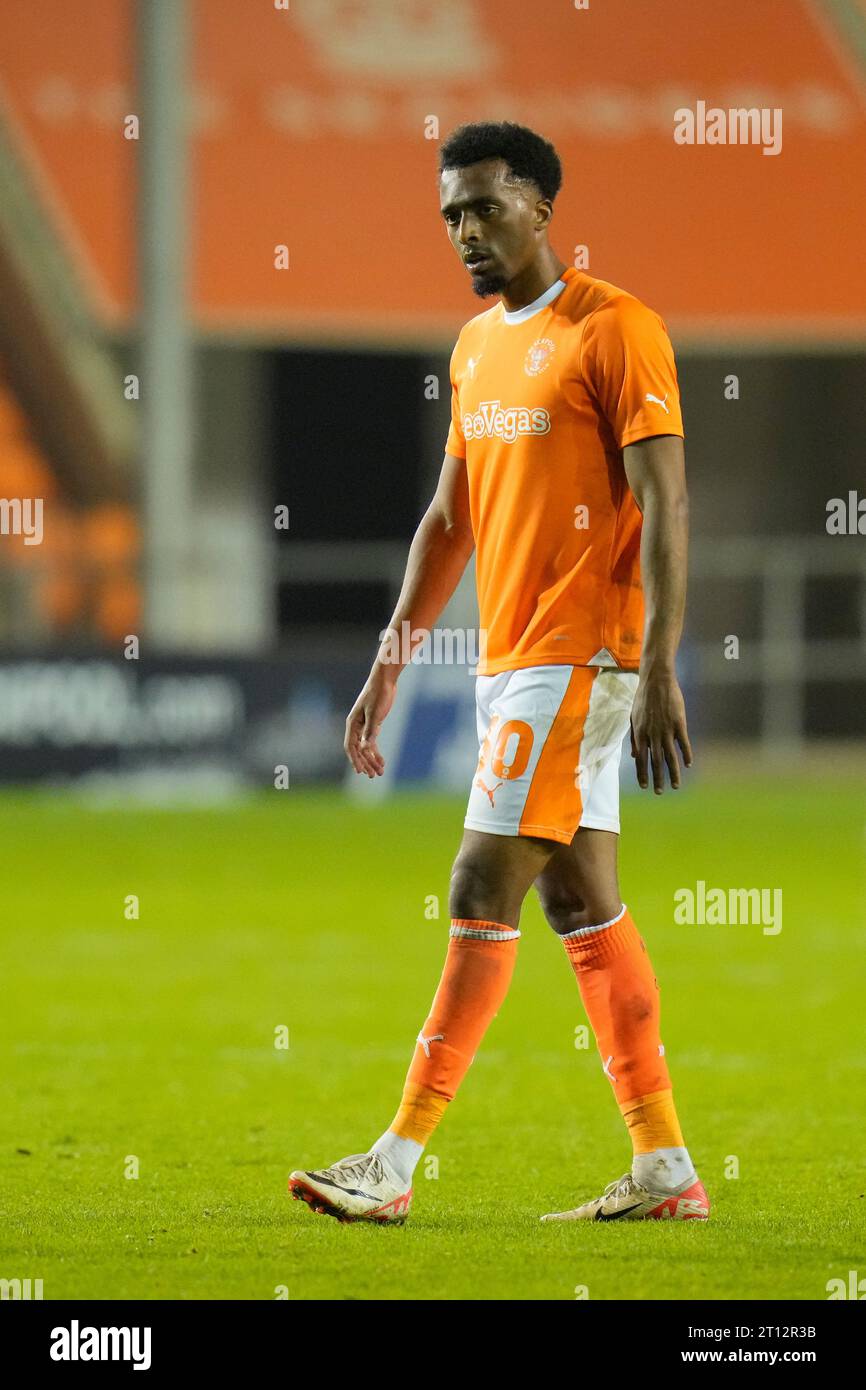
(479, 933)
(601, 926)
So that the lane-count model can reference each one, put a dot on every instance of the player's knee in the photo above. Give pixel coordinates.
(475, 893)
(564, 913)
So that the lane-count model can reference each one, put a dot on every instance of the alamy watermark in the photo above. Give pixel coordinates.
(734, 125)
(723, 907)
(853, 1288)
(443, 646)
(20, 1289)
(77, 1343)
(846, 516)
(22, 516)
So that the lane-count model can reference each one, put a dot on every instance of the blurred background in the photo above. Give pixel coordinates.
(227, 304)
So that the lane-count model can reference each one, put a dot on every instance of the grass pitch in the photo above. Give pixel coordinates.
(148, 1045)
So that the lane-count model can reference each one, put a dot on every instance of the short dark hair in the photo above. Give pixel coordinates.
(528, 155)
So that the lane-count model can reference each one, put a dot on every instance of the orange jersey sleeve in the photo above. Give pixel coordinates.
(455, 443)
(628, 361)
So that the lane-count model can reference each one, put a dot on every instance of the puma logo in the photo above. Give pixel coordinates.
(488, 790)
(655, 400)
(425, 1042)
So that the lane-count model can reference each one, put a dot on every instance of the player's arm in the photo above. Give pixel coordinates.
(655, 469)
(437, 558)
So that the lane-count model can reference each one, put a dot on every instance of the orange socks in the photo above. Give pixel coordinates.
(478, 969)
(652, 1122)
(621, 998)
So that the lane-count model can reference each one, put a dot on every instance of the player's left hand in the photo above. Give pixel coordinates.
(658, 724)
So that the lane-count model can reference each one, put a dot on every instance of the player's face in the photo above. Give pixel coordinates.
(493, 225)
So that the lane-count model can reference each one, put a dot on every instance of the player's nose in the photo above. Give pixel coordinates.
(467, 232)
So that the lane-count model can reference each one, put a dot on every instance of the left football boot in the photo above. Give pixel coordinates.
(627, 1200)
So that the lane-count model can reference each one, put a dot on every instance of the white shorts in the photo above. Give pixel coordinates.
(550, 740)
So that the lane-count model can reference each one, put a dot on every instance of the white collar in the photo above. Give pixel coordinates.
(521, 315)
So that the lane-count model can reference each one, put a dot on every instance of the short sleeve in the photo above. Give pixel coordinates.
(456, 441)
(628, 361)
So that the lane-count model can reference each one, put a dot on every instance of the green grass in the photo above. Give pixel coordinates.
(154, 1038)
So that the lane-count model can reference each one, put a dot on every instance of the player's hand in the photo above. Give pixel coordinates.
(658, 724)
(365, 720)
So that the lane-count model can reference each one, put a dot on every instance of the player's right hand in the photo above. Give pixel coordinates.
(365, 720)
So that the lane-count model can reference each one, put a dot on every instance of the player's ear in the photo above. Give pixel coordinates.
(543, 213)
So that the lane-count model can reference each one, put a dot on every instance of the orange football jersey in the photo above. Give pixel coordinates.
(543, 401)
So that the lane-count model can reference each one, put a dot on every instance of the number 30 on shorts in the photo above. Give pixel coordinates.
(508, 758)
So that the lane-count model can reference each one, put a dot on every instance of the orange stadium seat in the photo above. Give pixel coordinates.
(298, 114)
(86, 566)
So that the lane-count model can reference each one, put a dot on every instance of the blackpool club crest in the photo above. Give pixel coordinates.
(539, 355)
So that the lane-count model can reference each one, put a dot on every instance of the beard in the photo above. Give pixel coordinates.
(485, 285)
